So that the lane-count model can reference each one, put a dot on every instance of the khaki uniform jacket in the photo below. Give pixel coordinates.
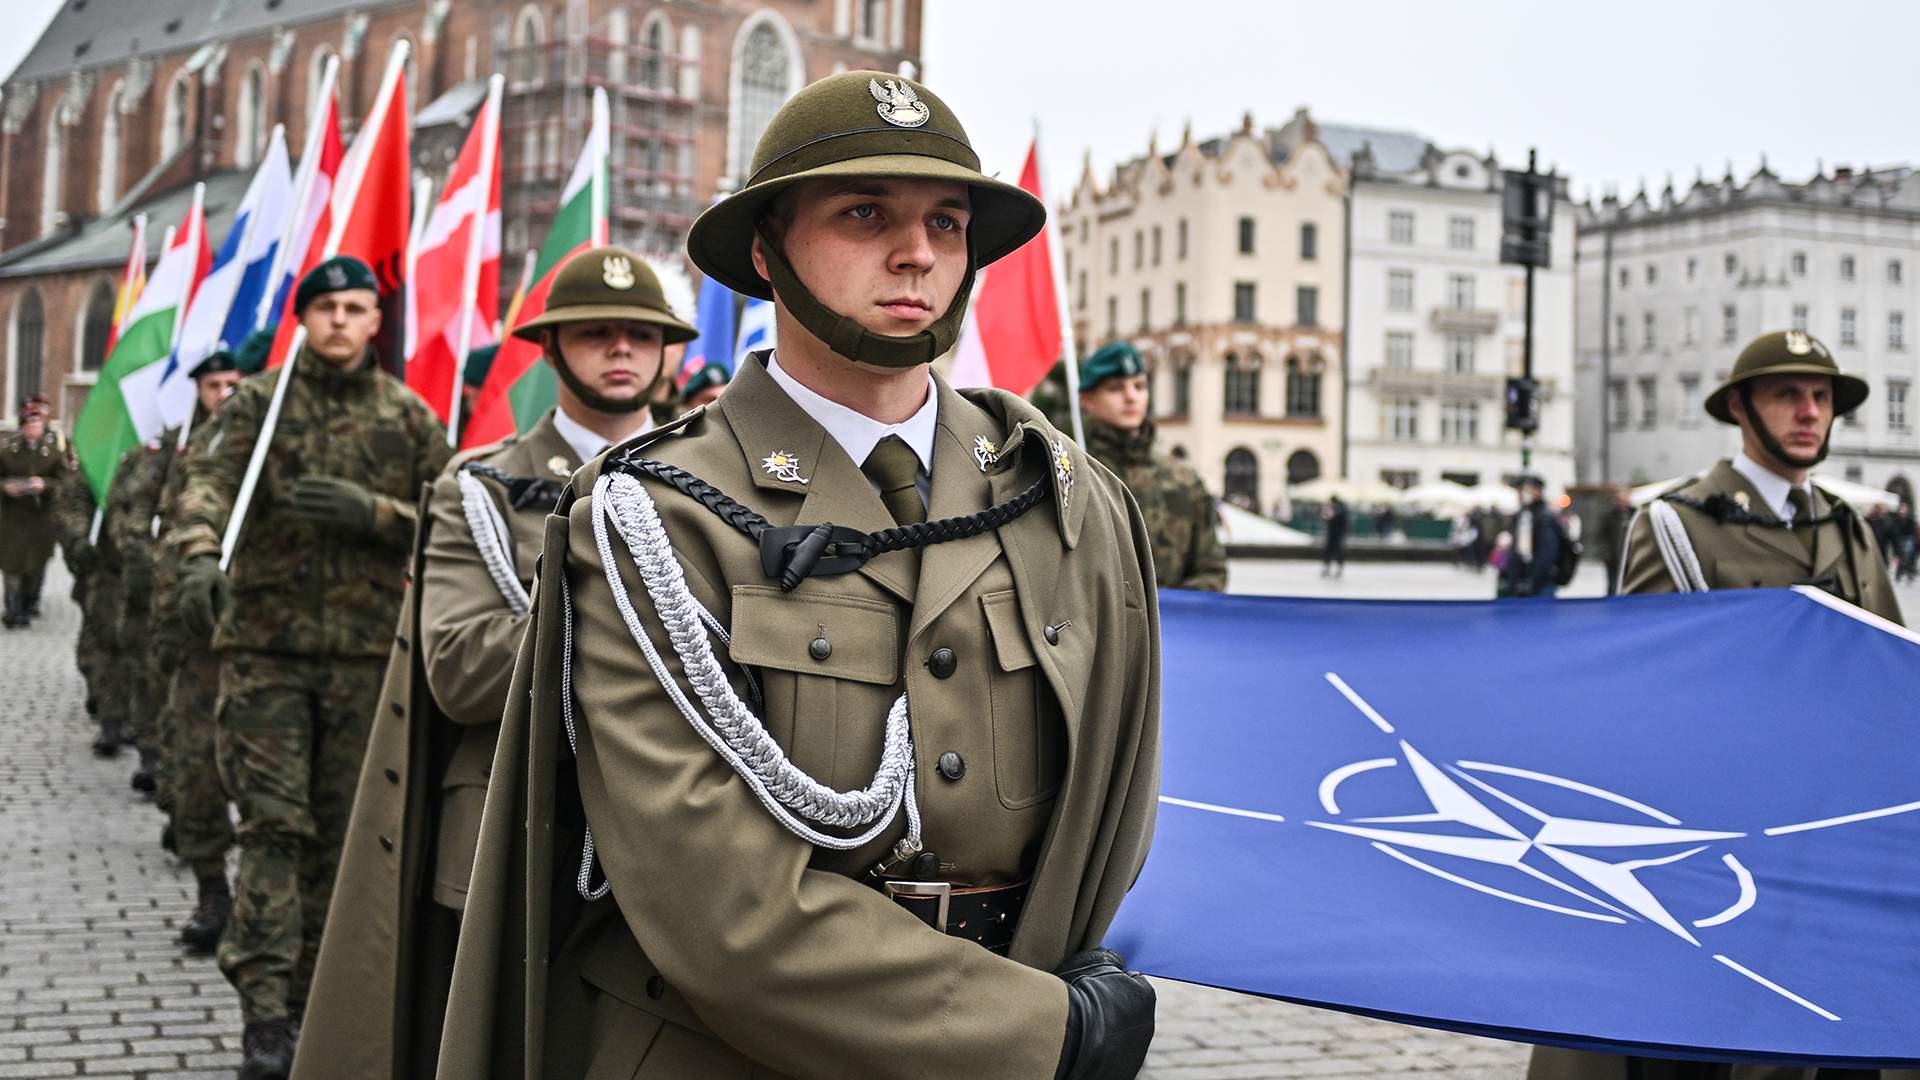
(28, 526)
(416, 818)
(729, 947)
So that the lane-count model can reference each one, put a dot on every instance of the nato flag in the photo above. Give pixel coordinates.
(1687, 826)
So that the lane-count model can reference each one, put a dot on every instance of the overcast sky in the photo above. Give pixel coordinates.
(1611, 93)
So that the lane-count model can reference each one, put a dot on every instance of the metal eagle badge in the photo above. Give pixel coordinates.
(899, 105)
(782, 465)
(984, 451)
(1798, 343)
(617, 272)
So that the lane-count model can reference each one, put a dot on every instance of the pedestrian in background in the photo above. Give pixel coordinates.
(33, 462)
(1533, 567)
(1334, 520)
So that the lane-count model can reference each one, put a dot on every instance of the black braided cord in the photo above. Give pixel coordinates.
(1724, 510)
(522, 491)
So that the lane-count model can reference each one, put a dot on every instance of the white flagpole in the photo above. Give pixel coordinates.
(302, 189)
(352, 171)
(470, 280)
(601, 136)
(1069, 350)
(422, 210)
(196, 225)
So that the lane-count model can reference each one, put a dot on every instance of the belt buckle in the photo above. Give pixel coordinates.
(941, 889)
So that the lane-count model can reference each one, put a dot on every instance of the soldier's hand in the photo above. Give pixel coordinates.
(84, 558)
(203, 591)
(336, 503)
(1109, 1018)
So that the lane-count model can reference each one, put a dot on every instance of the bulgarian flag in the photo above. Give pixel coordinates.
(107, 427)
(132, 280)
(520, 389)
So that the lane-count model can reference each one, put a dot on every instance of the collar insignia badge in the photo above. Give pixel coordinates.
(984, 451)
(1063, 471)
(1798, 343)
(899, 105)
(783, 466)
(559, 466)
(1741, 500)
(617, 272)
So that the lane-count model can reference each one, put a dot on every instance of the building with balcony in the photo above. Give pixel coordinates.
(1673, 286)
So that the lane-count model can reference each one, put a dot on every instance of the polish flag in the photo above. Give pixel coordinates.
(1011, 337)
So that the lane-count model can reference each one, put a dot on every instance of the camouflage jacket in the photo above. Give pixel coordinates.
(1179, 512)
(127, 544)
(300, 587)
(166, 559)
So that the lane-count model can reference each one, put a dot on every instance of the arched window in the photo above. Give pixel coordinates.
(529, 47)
(653, 53)
(766, 71)
(250, 118)
(97, 328)
(1303, 386)
(1900, 486)
(552, 156)
(1243, 478)
(108, 191)
(53, 172)
(1302, 466)
(29, 347)
(873, 22)
(1243, 385)
(173, 128)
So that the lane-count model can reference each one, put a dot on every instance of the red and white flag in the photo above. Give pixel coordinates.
(454, 292)
(311, 221)
(1011, 337)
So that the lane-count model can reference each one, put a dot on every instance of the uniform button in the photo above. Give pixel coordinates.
(386, 842)
(398, 710)
(926, 866)
(656, 986)
(942, 663)
(952, 765)
(1052, 634)
(820, 649)
(392, 777)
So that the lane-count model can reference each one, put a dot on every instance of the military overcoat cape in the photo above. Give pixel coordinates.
(519, 1004)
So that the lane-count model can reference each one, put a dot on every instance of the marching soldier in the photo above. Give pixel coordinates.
(34, 462)
(97, 594)
(128, 548)
(381, 983)
(315, 595)
(1752, 522)
(832, 746)
(1180, 515)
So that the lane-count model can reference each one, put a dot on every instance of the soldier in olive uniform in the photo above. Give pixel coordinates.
(303, 628)
(1187, 553)
(380, 985)
(34, 462)
(1755, 521)
(847, 777)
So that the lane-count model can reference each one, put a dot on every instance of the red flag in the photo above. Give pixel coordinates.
(312, 220)
(373, 206)
(456, 272)
(1011, 338)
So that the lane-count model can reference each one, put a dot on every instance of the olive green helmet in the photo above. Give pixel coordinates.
(607, 283)
(860, 124)
(1787, 352)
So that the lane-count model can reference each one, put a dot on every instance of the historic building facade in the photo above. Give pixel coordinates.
(119, 108)
(1673, 286)
(1223, 262)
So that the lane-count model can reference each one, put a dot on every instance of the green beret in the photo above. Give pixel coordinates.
(338, 274)
(705, 374)
(217, 361)
(1118, 360)
(479, 363)
(252, 355)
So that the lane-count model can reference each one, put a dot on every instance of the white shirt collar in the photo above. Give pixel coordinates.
(586, 443)
(1773, 487)
(858, 433)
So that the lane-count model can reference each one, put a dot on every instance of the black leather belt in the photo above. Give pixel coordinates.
(985, 915)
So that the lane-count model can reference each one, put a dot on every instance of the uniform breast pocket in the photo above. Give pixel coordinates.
(830, 665)
(1029, 736)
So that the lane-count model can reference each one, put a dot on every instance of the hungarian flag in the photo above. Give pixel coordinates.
(132, 280)
(455, 290)
(520, 389)
(308, 227)
(1011, 337)
(107, 426)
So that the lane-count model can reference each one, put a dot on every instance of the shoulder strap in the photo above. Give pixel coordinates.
(1676, 548)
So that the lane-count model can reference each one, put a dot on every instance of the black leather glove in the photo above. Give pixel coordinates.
(84, 559)
(334, 503)
(203, 594)
(1109, 1018)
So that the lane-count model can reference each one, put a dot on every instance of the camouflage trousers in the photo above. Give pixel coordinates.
(96, 648)
(130, 654)
(290, 733)
(190, 790)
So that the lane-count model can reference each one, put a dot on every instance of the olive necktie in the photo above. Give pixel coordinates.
(1802, 513)
(895, 469)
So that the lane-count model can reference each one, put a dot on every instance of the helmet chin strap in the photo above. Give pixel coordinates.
(845, 336)
(1772, 445)
(594, 399)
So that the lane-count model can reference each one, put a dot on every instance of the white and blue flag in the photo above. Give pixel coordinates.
(756, 330)
(1681, 825)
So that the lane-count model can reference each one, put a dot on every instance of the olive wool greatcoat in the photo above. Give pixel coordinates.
(387, 954)
(729, 947)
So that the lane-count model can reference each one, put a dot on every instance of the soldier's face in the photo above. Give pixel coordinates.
(1120, 401)
(33, 425)
(616, 359)
(339, 324)
(1797, 409)
(889, 254)
(214, 389)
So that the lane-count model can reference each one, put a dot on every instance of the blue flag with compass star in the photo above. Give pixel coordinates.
(1686, 826)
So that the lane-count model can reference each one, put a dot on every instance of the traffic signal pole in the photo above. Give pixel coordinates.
(1526, 344)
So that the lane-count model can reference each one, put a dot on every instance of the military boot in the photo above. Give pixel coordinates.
(142, 779)
(13, 614)
(266, 1050)
(107, 743)
(201, 932)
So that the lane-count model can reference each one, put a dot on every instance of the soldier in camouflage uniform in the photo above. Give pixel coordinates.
(92, 589)
(127, 545)
(303, 628)
(33, 462)
(110, 660)
(1180, 515)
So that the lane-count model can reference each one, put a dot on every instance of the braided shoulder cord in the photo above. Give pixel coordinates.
(490, 538)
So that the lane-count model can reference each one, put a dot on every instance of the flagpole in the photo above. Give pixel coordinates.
(136, 257)
(302, 190)
(353, 170)
(196, 227)
(410, 328)
(476, 250)
(519, 294)
(602, 132)
(1069, 350)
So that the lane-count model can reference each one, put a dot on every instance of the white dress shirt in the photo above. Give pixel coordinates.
(1773, 487)
(586, 443)
(858, 433)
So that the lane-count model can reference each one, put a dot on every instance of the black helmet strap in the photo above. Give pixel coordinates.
(845, 336)
(1765, 434)
(594, 399)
